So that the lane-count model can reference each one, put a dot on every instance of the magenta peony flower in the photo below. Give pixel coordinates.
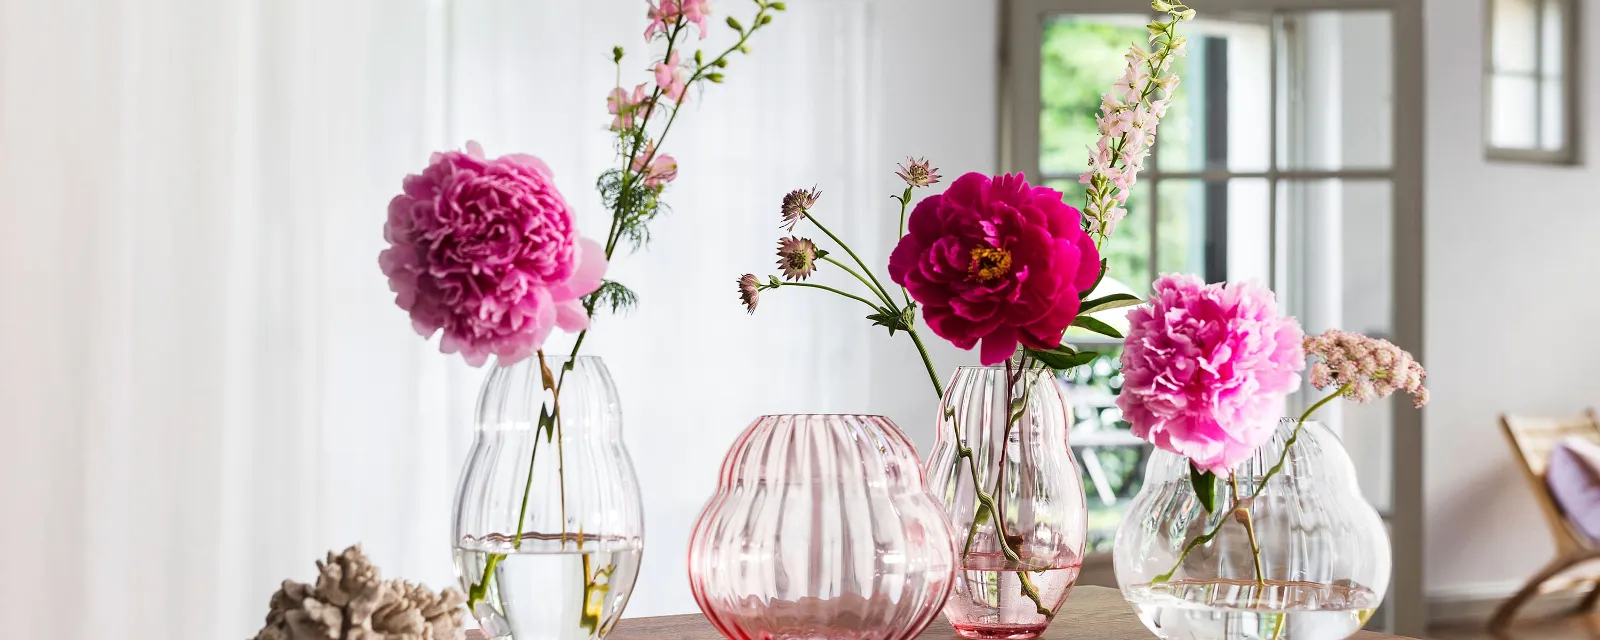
(996, 260)
(1206, 367)
(486, 250)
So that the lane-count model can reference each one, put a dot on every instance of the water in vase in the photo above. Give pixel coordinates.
(545, 590)
(1235, 610)
(989, 601)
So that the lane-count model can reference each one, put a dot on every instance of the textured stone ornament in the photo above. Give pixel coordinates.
(351, 601)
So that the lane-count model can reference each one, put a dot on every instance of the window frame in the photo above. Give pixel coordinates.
(1570, 75)
(1021, 40)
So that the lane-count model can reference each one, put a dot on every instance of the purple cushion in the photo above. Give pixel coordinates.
(1575, 484)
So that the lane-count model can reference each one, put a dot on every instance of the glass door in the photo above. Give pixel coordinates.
(1279, 163)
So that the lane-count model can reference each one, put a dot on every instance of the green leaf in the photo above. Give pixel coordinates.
(1096, 326)
(1205, 487)
(902, 322)
(1113, 301)
(1085, 293)
(547, 423)
(1063, 358)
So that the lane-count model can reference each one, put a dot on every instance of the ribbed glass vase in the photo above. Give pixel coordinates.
(549, 526)
(1004, 474)
(1323, 565)
(820, 529)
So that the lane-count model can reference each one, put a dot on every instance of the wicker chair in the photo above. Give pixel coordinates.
(1533, 439)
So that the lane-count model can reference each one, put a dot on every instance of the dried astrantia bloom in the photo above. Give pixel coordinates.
(797, 203)
(749, 291)
(797, 257)
(918, 172)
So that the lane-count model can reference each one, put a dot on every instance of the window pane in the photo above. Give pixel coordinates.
(1336, 270)
(1551, 41)
(1514, 31)
(1081, 59)
(1127, 251)
(1216, 230)
(1336, 90)
(1513, 115)
(1219, 117)
(1552, 109)
(1110, 458)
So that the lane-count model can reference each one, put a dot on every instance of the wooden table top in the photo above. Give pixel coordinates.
(1092, 613)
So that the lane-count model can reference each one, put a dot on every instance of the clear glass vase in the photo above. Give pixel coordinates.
(1007, 429)
(548, 522)
(1324, 557)
(820, 528)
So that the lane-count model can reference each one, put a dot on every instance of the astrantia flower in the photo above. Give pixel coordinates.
(797, 203)
(1205, 369)
(996, 260)
(1374, 368)
(749, 291)
(797, 257)
(917, 172)
(485, 251)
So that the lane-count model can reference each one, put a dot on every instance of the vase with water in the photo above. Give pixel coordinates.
(1314, 566)
(549, 527)
(1003, 472)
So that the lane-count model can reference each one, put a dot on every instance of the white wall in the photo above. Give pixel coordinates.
(1511, 311)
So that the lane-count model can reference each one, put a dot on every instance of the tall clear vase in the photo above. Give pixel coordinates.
(549, 527)
(1004, 474)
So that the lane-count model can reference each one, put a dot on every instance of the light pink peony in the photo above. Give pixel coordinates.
(1206, 367)
(996, 260)
(486, 251)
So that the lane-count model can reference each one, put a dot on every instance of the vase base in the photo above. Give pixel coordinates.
(1000, 631)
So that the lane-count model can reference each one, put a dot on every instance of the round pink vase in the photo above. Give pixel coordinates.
(820, 528)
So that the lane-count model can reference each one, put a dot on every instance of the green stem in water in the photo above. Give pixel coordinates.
(1282, 459)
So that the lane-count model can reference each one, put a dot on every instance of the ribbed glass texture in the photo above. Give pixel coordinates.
(820, 528)
(562, 562)
(1324, 552)
(1007, 429)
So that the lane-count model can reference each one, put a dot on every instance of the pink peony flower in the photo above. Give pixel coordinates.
(1206, 367)
(486, 251)
(996, 260)
(673, 78)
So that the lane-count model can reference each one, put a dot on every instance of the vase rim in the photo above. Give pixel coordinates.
(823, 415)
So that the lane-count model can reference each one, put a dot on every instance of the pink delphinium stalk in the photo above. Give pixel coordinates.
(673, 78)
(1128, 119)
(1206, 367)
(485, 252)
(625, 106)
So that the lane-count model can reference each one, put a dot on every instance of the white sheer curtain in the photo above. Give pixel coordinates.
(205, 384)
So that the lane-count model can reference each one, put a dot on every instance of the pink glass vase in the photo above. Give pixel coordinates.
(820, 528)
(1002, 449)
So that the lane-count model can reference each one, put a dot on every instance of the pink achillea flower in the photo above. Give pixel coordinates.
(1374, 368)
(485, 252)
(1206, 367)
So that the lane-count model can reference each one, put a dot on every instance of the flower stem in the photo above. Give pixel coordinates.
(877, 287)
(1260, 488)
(927, 361)
(858, 276)
(905, 200)
(828, 288)
(1250, 530)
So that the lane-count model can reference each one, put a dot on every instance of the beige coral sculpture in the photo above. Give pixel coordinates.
(351, 601)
